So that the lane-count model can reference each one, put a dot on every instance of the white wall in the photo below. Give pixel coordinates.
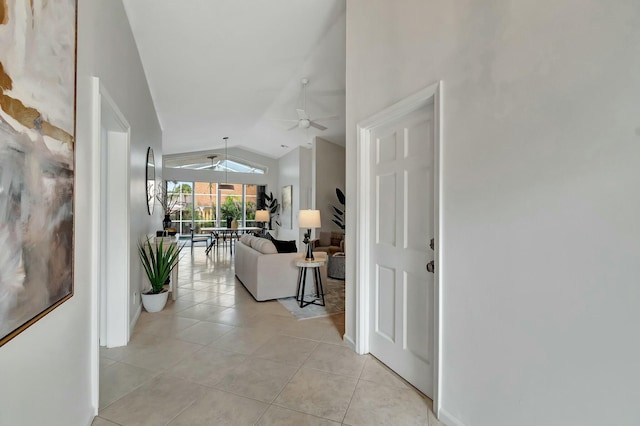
(120, 70)
(294, 169)
(305, 199)
(329, 174)
(540, 188)
(46, 370)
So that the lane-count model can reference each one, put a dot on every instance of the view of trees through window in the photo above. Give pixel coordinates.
(202, 204)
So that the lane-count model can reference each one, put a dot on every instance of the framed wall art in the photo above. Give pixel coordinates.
(286, 216)
(37, 137)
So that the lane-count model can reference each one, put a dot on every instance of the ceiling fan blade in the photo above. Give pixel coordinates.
(326, 117)
(316, 125)
(302, 114)
(293, 127)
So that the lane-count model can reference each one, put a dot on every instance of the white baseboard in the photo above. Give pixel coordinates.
(349, 342)
(133, 322)
(447, 419)
(92, 416)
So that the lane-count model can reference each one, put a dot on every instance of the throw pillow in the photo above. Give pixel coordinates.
(264, 246)
(246, 239)
(285, 246)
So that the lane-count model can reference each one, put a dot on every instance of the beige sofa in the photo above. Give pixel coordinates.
(267, 274)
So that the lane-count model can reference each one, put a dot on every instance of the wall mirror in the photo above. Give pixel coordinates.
(151, 180)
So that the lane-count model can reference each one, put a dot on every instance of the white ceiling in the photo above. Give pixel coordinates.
(232, 68)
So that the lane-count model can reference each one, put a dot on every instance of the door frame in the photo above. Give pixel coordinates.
(429, 95)
(106, 115)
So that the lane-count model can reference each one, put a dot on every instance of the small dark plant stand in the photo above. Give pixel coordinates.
(315, 266)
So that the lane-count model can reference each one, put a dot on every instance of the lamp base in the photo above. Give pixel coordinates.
(307, 241)
(309, 255)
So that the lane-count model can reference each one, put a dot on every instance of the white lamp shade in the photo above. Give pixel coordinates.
(262, 216)
(309, 219)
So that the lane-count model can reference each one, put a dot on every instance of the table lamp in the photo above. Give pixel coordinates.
(263, 217)
(309, 219)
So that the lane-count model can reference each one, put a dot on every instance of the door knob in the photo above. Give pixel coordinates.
(431, 266)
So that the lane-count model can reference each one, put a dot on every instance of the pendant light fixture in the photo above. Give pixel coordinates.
(226, 186)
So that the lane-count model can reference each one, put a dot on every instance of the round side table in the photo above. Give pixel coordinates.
(314, 265)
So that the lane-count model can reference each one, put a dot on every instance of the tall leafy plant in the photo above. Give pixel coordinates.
(271, 203)
(339, 213)
(231, 209)
(158, 262)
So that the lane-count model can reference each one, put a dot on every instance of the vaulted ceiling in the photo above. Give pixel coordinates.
(233, 68)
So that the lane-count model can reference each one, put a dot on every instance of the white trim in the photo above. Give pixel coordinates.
(431, 94)
(120, 336)
(98, 95)
(446, 418)
(133, 322)
(438, 219)
(95, 246)
(349, 342)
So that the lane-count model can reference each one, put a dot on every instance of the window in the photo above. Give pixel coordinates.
(204, 162)
(180, 201)
(251, 202)
(203, 204)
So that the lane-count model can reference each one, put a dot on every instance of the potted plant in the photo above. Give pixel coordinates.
(170, 201)
(158, 261)
(271, 203)
(338, 217)
(231, 210)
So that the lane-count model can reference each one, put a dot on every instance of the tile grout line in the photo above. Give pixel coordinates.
(182, 411)
(105, 419)
(355, 389)
(290, 379)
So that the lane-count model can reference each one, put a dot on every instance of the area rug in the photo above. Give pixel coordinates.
(333, 298)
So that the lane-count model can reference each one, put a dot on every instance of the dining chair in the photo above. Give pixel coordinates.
(199, 237)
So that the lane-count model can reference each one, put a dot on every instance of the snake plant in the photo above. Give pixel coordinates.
(158, 261)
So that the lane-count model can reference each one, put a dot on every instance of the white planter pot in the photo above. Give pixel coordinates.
(155, 302)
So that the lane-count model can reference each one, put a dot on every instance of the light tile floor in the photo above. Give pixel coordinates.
(216, 356)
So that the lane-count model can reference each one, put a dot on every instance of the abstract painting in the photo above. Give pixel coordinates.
(287, 210)
(37, 128)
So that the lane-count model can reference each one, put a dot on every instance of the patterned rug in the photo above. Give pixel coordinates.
(333, 299)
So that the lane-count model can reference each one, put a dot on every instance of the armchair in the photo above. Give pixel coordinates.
(329, 242)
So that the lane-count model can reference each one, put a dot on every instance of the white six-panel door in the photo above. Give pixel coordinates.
(402, 293)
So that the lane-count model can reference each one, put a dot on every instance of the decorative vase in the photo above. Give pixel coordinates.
(155, 302)
(166, 222)
(229, 222)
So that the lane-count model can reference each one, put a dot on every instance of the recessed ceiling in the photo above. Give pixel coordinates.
(233, 68)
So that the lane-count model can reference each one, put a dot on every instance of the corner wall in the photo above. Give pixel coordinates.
(540, 196)
(294, 169)
(329, 174)
(119, 68)
(47, 370)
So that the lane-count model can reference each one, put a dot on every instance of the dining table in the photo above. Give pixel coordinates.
(224, 232)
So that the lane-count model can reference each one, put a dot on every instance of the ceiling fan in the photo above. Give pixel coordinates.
(304, 120)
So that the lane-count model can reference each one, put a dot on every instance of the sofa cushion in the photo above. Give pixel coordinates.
(285, 246)
(264, 246)
(246, 239)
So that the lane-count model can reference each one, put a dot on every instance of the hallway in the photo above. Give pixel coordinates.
(216, 356)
